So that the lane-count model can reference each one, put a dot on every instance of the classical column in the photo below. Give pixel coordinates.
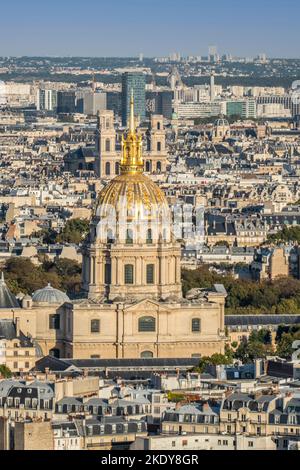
(114, 271)
(139, 273)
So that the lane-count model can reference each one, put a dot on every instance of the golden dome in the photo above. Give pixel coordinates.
(141, 198)
(135, 190)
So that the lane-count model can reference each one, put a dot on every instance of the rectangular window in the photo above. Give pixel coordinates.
(129, 237)
(108, 273)
(150, 273)
(196, 324)
(128, 274)
(54, 322)
(95, 326)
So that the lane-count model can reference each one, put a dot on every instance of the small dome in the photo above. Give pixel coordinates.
(221, 123)
(50, 295)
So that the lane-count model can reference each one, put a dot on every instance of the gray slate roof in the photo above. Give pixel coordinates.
(7, 299)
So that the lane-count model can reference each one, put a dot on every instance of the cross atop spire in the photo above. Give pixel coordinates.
(131, 120)
(132, 160)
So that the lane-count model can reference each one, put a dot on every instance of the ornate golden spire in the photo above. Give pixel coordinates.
(132, 160)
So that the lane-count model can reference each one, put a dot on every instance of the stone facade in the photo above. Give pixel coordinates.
(133, 305)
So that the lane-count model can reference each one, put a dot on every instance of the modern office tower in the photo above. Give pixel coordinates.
(243, 108)
(94, 102)
(174, 78)
(213, 54)
(114, 102)
(159, 102)
(198, 110)
(66, 102)
(46, 100)
(287, 101)
(201, 93)
(165, 99)
(212, 87)
(133, 82)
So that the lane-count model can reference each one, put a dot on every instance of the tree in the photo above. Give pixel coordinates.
(22, 275)
(284, 345)
(5, 371)
(262, 336)
(176, 397)
(288, 307)
(216, 359)
(287, 234)
(222, 243)
(256, 347)
(74, 231)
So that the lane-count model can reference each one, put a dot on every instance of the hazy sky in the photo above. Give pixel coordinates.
(154, 27)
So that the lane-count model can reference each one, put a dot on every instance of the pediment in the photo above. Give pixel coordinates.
(147, 304)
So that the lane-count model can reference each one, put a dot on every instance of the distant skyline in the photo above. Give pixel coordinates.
(126, 28)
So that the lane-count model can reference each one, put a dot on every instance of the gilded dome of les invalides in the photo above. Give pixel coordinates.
(132, 188)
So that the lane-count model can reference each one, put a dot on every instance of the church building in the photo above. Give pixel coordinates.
(132, 304)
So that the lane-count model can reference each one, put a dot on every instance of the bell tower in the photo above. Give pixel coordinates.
(156, 160)
(106, 145)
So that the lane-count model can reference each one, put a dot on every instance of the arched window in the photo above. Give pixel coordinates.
(158, 126)
(117, 168)
(196, 325)
(129, 237)
(107, 145)
(146, 324)
(149, 236)
(110, 236)
(150, 274)
(148, 166)
(107, 168)
(146, 354)
(107, 124)
(158, 166)
(159, 146)
(128, 274)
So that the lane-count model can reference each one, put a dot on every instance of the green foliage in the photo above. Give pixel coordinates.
(262, 336)
(22, 275)
(251, 349)
(285, 338)
(48, 236)
(222, 243)
(5, 371)
(280, 296)
(176, 397)
(74, 231)
(216, 359)
(287, 234)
